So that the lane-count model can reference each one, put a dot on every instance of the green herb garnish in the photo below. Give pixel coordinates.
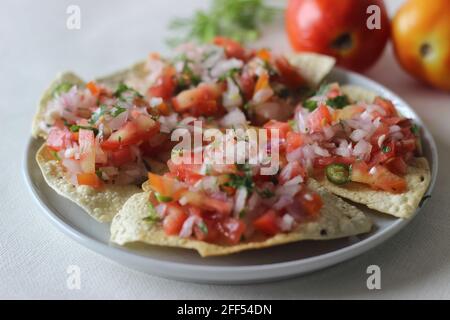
(76, 128)
(62, 88)
(152, 215)
(117, 110)
(55, 154)
(338, 102)
(97, 114)
(415, 129)
(162, 198)
(266, 193)
(240, 181)
(386, 149)
(240, 20)
(122, 88)
(202, 226)
(311, 105)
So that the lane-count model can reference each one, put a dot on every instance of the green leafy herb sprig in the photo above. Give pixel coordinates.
(240, 20)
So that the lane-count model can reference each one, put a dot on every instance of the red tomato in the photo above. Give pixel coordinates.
(309, 202)
(388, 151)
(379, 178)
(86, 141)
(165, 185)
(406, 145)
(59, 138)
(188, 173)
(387, 106)
(319, 118)
(133, 132)
(201, 101)
(233, 49)
(212, 235)
(121, 156)
(339, 29)
(397, 166)
(294, 140)
(247, 84)
(174, 220)
(89, 179)
(383, 129)
(165, 86)
(282, 127)
(267, 223)
(288, 75)
(232, 229)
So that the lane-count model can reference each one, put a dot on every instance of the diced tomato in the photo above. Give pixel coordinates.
(309, 202)
(212, 233)
(93, 88)
(348, 112)
(264, 54)
(86, 141)
(247, 84)
(288, 74)
(267, 223)
(323, 162)
(189, 173)
(165, 86)
(379, 178)
(383, 129)
(334, 90)
(387, 105)
(201, 101)
(282, 127)
(232, 230)
(294, 140)
(262, 83)
(89, 179)
(233, 49)
(207, 203)
(319, 118)
(59, 138)
(174, 220)
(133, 132)
(406, 145)
(386, 152)
(165, 186)
(397, 166)
(121, 156)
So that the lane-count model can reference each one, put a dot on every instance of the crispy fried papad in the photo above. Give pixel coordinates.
(65, 77)
(338, 220)
(101, 204)
(312, 66)
(402, 205)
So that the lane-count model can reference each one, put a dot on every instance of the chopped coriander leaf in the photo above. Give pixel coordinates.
(61, 88)
(266, 193)
(338, 102)
(242, 213)
(202, 226)
(153, 215)
(98, 172)
(238, 181)
(117, 110)
(415, 129)
(162, 198)
(97, 114)
(386, 149)
(55, 155)
(229, 74)
(76, 128)
(244, 167)
(311, 105)
(122, 88)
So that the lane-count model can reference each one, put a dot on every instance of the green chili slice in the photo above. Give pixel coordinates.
(338, 173)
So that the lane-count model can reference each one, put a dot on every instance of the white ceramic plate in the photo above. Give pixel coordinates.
(246, 267)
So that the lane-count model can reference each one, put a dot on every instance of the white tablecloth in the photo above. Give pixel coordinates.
(34, 256)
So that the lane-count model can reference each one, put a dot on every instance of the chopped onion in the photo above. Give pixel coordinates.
(294, 181)
(320, 151)
(232, 97)
(186, 229)
(286, 222)
(262, 95)
(234, 117)
(224, 66)
(362, 149)
(358, 135)
(240, 198)
(283, 202)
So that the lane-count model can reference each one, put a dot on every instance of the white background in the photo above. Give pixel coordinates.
(35, 45)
